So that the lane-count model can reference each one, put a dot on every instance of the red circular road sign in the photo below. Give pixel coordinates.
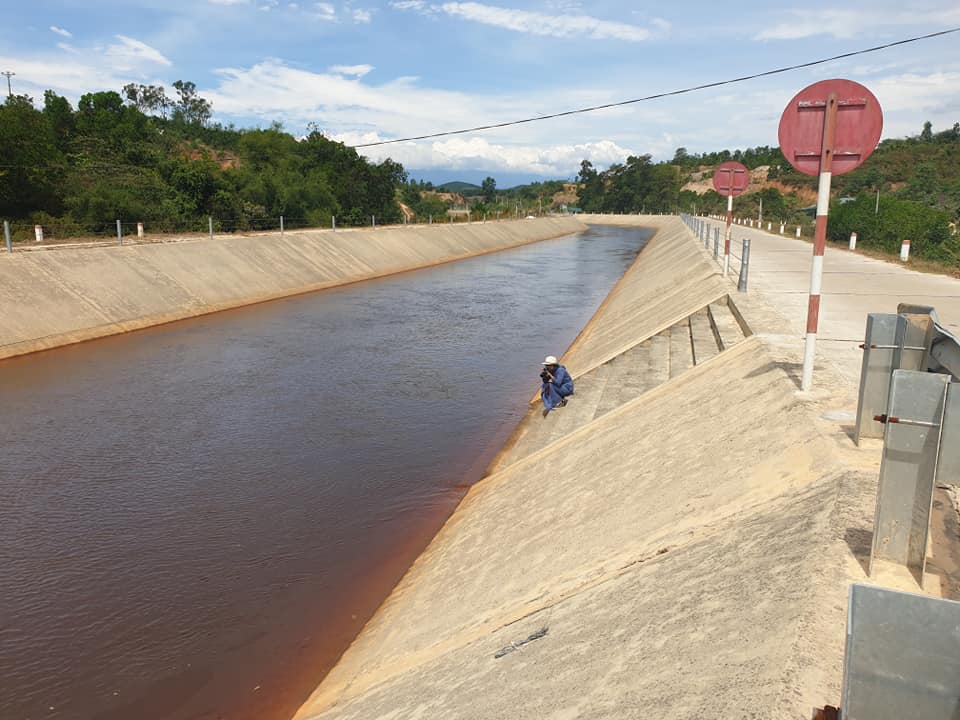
(731, 178)
(858, 126)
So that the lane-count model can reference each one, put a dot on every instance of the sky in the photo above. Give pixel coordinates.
(369, 70)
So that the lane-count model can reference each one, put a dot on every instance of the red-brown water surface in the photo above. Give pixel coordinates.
(196, 519)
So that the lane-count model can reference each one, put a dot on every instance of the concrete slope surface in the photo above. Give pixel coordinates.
(669, 281)
(686, 553)
(650, 486)
(62, 296)
(668, 548)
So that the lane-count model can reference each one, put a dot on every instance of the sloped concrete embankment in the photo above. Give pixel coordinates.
(69, 295)
(667, 558)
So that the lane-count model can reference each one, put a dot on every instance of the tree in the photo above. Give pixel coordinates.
(489, 190)
(926, 135)
(148, 99)
(28, 159)
(190, 108)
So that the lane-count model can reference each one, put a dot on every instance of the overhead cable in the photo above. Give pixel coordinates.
(670, 93)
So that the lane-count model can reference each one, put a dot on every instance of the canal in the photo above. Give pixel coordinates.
(196, 519)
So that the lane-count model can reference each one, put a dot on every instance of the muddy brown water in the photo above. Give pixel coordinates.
(197, 519)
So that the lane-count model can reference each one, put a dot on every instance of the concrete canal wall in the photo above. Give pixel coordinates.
(57, 297)
(685, 554)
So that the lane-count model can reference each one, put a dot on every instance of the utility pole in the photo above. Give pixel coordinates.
(8, 75)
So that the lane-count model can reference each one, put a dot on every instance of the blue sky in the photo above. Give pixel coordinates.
(366, 70)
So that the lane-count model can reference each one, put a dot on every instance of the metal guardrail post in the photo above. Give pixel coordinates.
(911, 446)
(744, 265)
(901, 655)
(6, 234)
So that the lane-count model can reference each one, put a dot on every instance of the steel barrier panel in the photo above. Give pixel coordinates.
(948, 463)
(908, 469)
(875, 373)
(914, 337)
(902, 656)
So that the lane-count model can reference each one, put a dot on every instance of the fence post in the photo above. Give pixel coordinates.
(6, 234)
(431, 220)
(853, 241)
(781, 228)
(716, 247)
(798, 231)
(905, 251)
(210, 225)
(333, 222)
(38, 233)
(373, 220)
(119, 232)
(140, 230)
(744, 265)
(281, 226)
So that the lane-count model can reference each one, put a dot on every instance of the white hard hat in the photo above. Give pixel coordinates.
(550, 360)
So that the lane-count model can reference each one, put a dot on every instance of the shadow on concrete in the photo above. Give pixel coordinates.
(791, 369)
(860, 542)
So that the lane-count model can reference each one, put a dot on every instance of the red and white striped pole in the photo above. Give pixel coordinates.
(819, 238)
(726, 238)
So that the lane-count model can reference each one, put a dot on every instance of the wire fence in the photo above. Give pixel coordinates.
(20, 236)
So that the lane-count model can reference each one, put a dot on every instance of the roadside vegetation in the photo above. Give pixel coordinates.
(141, 155)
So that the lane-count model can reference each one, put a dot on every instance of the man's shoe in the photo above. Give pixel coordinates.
(562, 403)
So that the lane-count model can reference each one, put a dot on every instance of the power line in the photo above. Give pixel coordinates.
(670, 93)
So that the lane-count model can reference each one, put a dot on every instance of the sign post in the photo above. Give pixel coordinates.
(828, 128)
(730, 179)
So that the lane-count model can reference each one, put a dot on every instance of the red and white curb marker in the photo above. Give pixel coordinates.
(819, 239)
(905, 251)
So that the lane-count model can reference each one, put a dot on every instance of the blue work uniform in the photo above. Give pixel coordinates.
(556, 390)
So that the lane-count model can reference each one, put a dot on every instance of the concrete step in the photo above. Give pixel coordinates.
(726, 325)
(541, 431)
(660, 358)
(582, 406)
(705, 342)
(628, 377)
(681, 348)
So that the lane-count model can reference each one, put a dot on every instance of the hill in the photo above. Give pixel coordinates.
(461, 188)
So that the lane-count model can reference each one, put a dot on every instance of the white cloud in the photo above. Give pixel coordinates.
(325, 11)
(471, 153)
(362, 16)
(229, 2)
(354, 70)
(66, 47)
(566, 23)
(848, 23)
(60, 31)
(130, 51)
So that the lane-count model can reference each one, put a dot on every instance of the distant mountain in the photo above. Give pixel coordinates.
(464, 188)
